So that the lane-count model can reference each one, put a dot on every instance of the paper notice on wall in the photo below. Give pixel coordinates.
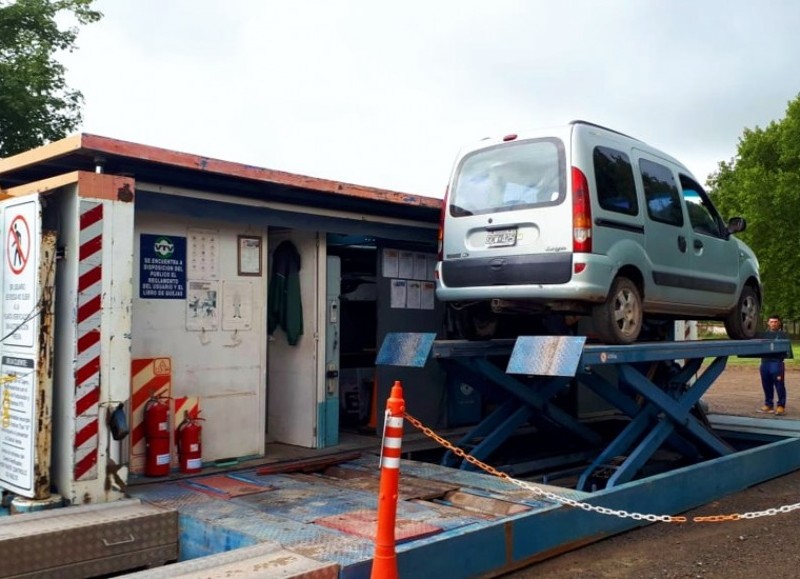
(398, 299)
(406, 264)
(413, 294)
(201, 306)
(203, 254)
(391, 263)
(420, 266)
(428, 294)
(237, 305)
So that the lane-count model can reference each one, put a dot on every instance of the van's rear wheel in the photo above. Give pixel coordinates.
(742, 322)
(619, 319)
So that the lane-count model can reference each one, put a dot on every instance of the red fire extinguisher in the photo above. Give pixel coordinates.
(156, 436)
(189, 439)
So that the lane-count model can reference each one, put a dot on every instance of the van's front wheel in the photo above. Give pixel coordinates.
(618, 320)
(742, 322)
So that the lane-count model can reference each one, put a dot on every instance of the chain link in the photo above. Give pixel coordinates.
(540, 492)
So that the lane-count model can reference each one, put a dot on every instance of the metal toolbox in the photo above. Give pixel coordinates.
(88, 540)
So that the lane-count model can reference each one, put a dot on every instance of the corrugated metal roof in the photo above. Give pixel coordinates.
(84, 152)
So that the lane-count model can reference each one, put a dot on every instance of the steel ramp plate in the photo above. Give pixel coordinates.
(365, 523)
(405, 349)
(224, 486)
(546, 355)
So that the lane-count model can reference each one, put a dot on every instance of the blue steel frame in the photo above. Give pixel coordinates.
(664, 415)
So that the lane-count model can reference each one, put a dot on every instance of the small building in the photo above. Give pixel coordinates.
(134, 273)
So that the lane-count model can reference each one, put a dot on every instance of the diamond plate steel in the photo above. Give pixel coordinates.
(266, 527)
(405, 349)
(264, 560)
(487, 482)
(308, 504)
(343, 549)
(66, 542)
(215, 510)
(224, 486)
(365, 524)
(169, 495)
(546, 355)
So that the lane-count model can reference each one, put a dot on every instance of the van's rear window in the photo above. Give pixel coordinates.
(510, 176)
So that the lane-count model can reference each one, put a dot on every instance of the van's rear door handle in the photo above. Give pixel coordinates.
(698, 244)
(682, 243)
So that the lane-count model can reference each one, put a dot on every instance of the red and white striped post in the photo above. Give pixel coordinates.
(384, 564)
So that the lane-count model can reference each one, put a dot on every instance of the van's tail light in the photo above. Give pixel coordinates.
(581, 213)
(440, 248)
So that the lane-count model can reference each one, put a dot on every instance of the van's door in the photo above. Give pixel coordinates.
(666, 229)
(714, 254)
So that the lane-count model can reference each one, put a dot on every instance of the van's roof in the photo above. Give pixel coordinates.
(580, 122)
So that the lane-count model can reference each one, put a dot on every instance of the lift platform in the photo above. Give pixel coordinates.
(656, 385)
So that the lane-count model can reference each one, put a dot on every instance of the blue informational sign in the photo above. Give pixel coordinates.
(162, 267)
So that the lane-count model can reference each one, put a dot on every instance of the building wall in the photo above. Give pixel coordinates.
(217, 347)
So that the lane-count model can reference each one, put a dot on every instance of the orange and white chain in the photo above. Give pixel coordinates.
(538, 491)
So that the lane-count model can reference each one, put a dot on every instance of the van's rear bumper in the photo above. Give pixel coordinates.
(544, 277)
(548, 269)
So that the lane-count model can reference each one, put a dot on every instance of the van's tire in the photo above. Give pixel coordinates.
(618, 320)
(475, 323)
(742, 322)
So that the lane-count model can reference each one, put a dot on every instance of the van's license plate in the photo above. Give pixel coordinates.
(501, 237)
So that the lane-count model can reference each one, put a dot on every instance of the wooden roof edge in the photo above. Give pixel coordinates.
(42, 153)
(99, 145)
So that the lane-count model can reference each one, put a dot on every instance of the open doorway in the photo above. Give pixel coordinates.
(358, 345)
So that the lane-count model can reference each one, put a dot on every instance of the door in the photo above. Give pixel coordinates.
(665, 237)
(295, 383)
(714, 253)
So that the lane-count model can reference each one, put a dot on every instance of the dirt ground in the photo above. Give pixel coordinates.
(766, 547)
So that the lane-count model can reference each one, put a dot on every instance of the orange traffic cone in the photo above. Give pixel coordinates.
(384, 564)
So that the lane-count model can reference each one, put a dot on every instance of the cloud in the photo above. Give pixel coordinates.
(385, 94)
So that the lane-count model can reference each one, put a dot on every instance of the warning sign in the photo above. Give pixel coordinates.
(19, 281)
(18, 424)
(18, 249)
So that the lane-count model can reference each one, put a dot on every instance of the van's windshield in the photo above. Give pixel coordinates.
(509, 176)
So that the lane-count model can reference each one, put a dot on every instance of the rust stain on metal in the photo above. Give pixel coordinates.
(44, 367)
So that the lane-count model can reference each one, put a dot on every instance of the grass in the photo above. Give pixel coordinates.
(790, 363)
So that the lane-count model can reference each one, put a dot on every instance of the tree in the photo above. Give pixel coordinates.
(762, 184)
(36, 106)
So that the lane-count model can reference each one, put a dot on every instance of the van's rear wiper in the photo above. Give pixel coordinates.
(458, 211)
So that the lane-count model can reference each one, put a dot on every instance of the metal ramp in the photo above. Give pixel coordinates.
(656, 385)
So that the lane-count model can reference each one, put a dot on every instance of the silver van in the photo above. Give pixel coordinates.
(586, 221)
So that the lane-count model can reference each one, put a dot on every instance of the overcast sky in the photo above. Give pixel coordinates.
(384, 94)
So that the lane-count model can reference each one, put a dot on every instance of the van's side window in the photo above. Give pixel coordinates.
(702, 215)
(613, 174)
(661, 193)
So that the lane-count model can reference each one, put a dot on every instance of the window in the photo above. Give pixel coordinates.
(661, 193)
(613, 174)
(510, 176)
(702, 215)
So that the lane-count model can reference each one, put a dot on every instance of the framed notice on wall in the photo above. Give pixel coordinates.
(249, 255)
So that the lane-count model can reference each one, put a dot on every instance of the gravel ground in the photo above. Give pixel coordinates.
(768, 546)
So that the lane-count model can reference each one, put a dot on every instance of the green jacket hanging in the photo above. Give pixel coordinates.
(285, 308)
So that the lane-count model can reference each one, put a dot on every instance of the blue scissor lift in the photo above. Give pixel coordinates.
(656, 385)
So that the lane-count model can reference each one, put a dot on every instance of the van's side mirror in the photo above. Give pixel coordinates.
(736, 224)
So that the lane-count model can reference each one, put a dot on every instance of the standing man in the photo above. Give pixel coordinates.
(773, 370)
